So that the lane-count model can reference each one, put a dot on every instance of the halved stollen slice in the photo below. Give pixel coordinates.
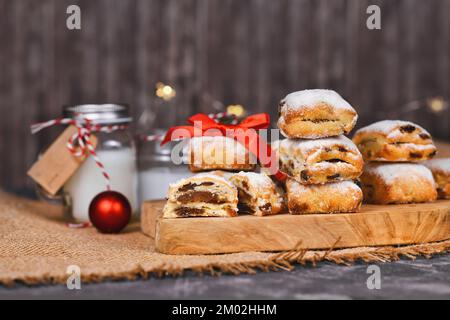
(203, 195)
(258, 194)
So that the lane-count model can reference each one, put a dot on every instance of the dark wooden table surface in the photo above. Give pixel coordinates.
(404, 279)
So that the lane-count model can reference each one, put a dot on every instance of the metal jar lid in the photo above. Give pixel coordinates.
(108, 113)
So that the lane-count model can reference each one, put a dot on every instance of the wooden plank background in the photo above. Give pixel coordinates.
(250, 52)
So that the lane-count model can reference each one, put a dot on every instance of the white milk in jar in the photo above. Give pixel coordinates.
(88, 181)
(116, 151)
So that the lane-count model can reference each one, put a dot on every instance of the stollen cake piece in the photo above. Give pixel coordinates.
(319, 161)
(344, 196)
(394, 141)
(441, 173)
(218, 153)
(317, 113)
(257, 193)
(203, 195)
(392, 183)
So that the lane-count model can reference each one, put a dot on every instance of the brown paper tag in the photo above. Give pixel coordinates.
(57, 164)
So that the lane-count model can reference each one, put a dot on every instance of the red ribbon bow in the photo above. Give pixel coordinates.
(245, 133)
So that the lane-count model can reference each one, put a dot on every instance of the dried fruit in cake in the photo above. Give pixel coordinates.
(257, 193)
(203, 195)
(319, 161)
(394, 141)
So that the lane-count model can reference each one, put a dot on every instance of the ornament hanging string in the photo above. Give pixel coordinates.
(80, 144)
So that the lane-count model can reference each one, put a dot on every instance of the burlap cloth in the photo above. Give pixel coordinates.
(36, 247)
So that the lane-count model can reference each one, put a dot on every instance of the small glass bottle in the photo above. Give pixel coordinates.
(157, 168)
(117, 152)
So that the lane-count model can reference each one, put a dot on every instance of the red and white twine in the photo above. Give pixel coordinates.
(151, 137)
(79, 143)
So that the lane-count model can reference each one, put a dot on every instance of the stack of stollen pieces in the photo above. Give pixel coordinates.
(226, 184)
(320, 162)
(393, 151)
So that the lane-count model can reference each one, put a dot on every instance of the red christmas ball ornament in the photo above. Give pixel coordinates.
(110, 211)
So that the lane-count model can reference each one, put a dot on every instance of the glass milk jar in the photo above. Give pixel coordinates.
(117, 152)
(157, 169)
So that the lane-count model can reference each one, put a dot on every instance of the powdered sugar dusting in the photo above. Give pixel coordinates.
(308, 145)
(217, 143)
(308, 98)
(389, 127)
(442, 165)
(417, 147)
(259, 180)
(202, 176)
(389, 172)
(338, 187)
(275, 145)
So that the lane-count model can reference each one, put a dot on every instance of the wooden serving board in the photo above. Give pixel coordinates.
(374, 225)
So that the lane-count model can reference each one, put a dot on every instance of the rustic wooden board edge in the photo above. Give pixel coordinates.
(150, 210)
(374, 226)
